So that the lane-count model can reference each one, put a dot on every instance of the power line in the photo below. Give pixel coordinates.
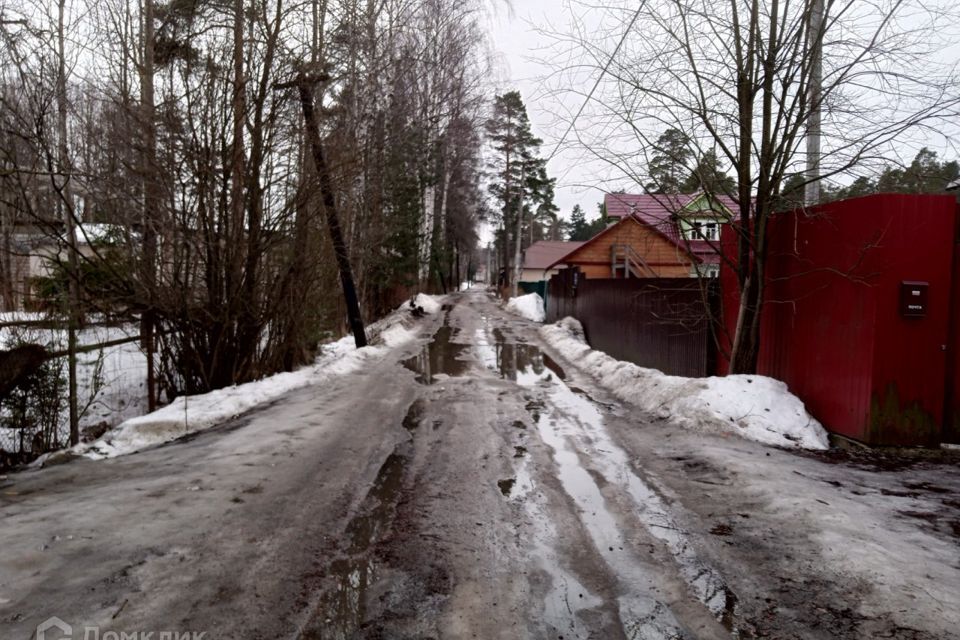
(596, 84)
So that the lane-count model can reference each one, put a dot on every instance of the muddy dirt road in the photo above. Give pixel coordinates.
(473, 486)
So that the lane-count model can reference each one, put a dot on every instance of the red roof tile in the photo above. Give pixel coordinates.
(658, 211)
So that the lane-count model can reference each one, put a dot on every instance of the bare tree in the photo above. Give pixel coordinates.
(748, 80)
(163, 119)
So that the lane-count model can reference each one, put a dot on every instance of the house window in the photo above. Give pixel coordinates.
(703, 230)
(710, 231)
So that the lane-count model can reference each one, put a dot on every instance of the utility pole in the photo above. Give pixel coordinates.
(812, 194)
(305, 84)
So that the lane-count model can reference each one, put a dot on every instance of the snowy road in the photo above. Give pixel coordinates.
(474, 485)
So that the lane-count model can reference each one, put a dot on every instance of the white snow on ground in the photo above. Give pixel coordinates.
(393, 333)
(755, 407)
(529, 306)
(189, 414)
(429, 304)
(20, 316)
(111, 381)
(121, 391)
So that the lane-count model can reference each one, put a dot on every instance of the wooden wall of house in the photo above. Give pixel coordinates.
(594, 270)
(662, 255)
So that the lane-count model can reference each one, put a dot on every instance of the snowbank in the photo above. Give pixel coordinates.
(529, 306)
(755, 407)
(189, 414)
(429, 304)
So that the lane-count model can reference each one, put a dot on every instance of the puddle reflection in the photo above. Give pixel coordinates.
(342, 609)
(440, 356)
(511, 358)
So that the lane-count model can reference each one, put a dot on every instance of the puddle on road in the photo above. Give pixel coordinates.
(440, 356)
(342, 608)
(509, 357)
(444, 356)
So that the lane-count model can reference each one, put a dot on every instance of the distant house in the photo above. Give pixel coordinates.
(954, 186)
(32, 253)
(539, 257)
(654, 236)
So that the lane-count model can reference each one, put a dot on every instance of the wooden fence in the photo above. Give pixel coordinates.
(660, 323)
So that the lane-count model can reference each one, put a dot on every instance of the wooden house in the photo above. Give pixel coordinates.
(654, 236)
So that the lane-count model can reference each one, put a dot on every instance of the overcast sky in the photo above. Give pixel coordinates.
(519, 47)
(520, 50)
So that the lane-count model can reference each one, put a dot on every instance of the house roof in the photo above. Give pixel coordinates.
(709, 256)
(953, 186)
(654, 208)
(545, 253)
(658, 211)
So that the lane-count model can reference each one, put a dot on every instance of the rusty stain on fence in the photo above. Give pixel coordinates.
(660, 323)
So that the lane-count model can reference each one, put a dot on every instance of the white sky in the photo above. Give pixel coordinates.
(518, 46)
(520, 50)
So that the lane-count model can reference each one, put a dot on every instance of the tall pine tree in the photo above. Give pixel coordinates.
(518, 176)
(669, 163)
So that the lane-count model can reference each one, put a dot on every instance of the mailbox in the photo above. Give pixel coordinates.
(913, 299)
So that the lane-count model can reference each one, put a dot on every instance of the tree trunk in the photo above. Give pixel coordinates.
(812, 192)
(426, 234)
(237, 155)
(746, 345)
(151, 202)
(517, 261)
(66, 206)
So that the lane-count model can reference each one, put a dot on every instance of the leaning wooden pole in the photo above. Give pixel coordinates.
(305, 87)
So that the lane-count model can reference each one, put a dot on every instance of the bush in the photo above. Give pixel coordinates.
(30, 415)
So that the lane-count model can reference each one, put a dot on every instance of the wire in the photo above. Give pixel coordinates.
(596, 84)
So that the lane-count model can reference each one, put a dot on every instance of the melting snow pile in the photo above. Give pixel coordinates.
(755, 407)
(529, 306)
(196, 413)
(429, 304)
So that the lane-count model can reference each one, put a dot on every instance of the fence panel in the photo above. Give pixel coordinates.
(660, 323)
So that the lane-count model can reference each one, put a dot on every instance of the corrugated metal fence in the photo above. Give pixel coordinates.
(660, 323)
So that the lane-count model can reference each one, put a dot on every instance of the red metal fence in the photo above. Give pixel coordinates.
(834, 327)
(660, 323)
(838, 326)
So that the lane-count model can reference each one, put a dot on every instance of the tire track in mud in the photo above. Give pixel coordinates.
(571, 427)
(586, 459)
